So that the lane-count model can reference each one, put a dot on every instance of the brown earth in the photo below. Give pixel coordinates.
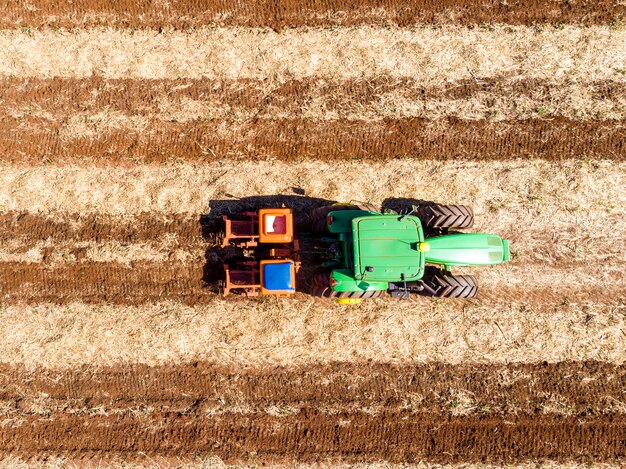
(32, 227)
(143, 282)
(38, 140)
(138, 283)
(63, 97)
(291, 13)
(312, 435)
(574, 388)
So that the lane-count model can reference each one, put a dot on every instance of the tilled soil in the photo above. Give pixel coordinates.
(143, 282)
(31, 227)
(343, 412)
(311, 435)
(291, 13)
(105, 282)
(573, 388)
(37, 140)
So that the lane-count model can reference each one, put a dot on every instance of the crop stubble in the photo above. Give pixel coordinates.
(305, 331)
(429, 55)
(97, 101)
(278, 98)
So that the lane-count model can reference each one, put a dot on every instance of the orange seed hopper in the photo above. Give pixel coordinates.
(275, 225)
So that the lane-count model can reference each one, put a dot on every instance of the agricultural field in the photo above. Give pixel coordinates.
(126, 125)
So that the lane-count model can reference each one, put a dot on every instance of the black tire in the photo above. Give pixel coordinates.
(446, 285)
(437, 216)
(321, 287)
(317, 216)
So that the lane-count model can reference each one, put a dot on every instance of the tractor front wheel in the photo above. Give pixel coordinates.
(437, 216)
(446, 285)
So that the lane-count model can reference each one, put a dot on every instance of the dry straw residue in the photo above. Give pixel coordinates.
(91, 105)
(167, 250)
(572, 100)
(426, 53)
(308, 330)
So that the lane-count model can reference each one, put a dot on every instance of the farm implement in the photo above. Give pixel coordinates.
(350, 252)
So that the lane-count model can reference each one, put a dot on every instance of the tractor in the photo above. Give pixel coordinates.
(351, 252)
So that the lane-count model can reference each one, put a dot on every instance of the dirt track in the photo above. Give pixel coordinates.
(140, 283)
(574, 388)
(313, 436)
(144, 282)
(35, 140)
(32, 227)
(75, 234)
(290, 13)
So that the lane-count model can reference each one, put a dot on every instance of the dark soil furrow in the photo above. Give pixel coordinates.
(137, 283)
(64, 97)
(576, 388)
(73, 232)
(32, 227)
(143, 282)
(35, 140)
(313, 436)
(291, 13)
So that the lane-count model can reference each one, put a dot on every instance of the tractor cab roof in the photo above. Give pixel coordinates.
(387, 247)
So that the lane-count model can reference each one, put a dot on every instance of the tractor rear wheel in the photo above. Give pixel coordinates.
(321, 287)
(437, 216)
(317, 216)
(446, 285)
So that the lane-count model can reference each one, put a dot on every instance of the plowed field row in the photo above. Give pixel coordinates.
(304, 331)
(550, 261)
(194, 283)
(314, 436)
(571, 210)
(42, 268)
(291, 13)
(51, 254)
(35, 140)
(202, 462)
(571, 388)
(67, 227)
(139, 283)
(95, 102)
(429, 55)
(59, 238)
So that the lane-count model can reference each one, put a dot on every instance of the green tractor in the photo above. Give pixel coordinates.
(370, 252)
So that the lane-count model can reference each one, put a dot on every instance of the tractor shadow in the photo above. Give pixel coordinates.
(403, 205)
(211, 225)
